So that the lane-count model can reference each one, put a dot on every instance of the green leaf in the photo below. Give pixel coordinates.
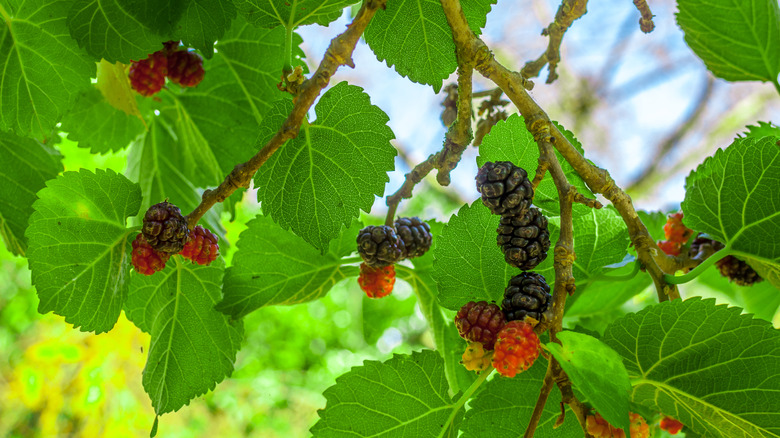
(738, 41)
(204, 22)
(710, 367)
(273, 266)
(654, 221)
(334, 168)
(42, 68)
(405, 396)
(733, 197)
(446, 338)
(768, 271)
(600, 239)
(503, 408)
(292, 13)
(97, 125)
(193, 347)
(158, 163)
(25, 166)
(107, 29)
(467, 262)
(219, 119)
(414, 36)
(598, 297)
(509, 140)
(79, 246)
(763, 129)
(596, 371)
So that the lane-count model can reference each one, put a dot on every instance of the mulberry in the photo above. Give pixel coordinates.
(505, 188)
(415, 234)
(145, 259)
(201, 246)
(165, 228)
(516, 349)
(147, 76)
(185, 68)
(526, 295)
(376, 282)
(380, 246)
(524, 239)
(480, 322)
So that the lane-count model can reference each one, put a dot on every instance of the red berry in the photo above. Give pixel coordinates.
(376, 282)
(675, 230)
(517, 347)
(671, 425)
(145, 259)
(185, 68)
(480, 322)
(599, 428)
(147, 76)
(201, 246)
(669, 247)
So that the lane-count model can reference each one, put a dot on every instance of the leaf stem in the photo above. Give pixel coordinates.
(350, 260)
(695, 272)
(624, 277)
(287, 67)
(465, 397)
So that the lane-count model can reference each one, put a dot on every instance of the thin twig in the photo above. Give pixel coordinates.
(339, 53)
(646, 21)
(547, 385)
(456, 140)
(568, 11)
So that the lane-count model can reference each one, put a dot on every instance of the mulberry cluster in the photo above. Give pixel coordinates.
(524, 240)
(165, 233)
(182, 67)
(522, 234)
(383, 246)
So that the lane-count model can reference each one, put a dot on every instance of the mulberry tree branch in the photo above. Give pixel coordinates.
(456, 140)
(652, 259)
(339, 53)
(568, 11)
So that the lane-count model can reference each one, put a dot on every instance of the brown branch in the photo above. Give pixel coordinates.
(456, 140)
(547, 385)
(673, 139)
(653, 260)
(646, 22)
(568, 11)
(339, 53)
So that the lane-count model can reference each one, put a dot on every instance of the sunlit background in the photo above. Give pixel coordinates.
(643, 106)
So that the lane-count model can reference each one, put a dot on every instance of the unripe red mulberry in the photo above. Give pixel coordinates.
(376, 282)
(145, 259)
(480, 322)
(185, 68)
(516, 349)
(147, 76)
(201, 246)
